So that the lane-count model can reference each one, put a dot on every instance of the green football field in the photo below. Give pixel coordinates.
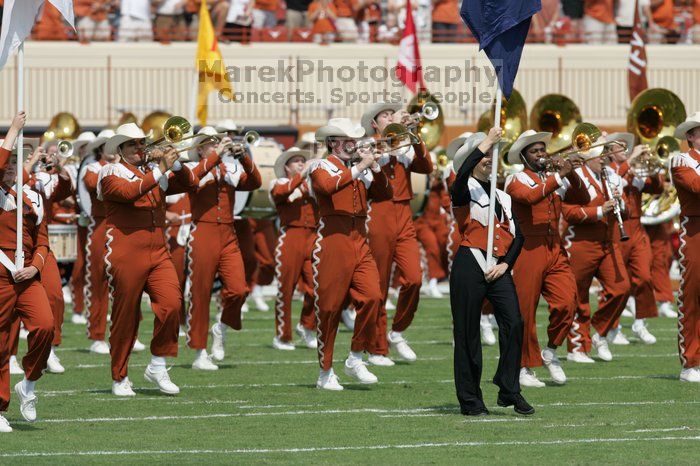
(262, 407)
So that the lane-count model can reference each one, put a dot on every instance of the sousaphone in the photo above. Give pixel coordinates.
(557, 114)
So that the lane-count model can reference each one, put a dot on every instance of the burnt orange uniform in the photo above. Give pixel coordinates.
(96, 289)
(432, 230)
(662, 258)
(637, 252)
(392, 238)
(25, 300)
(343, 267)
(213, 245)
(543, 267)
(685, 174)
(137, 257)
(592, 241)
(298, 216)
(177, 234)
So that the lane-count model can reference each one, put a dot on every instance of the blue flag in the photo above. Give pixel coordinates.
(501, 27)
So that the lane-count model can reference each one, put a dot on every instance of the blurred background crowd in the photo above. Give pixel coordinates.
(361, 21)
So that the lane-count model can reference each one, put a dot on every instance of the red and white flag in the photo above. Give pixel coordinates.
(18, 19)
(637, 68)
(409, 69)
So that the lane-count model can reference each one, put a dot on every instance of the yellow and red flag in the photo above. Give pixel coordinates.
(210, 65)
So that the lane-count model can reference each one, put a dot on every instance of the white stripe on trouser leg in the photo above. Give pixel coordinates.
(279, 305)
(314, 267)
(190, 274)
(108, 268)
(87, 292)
(681, 310)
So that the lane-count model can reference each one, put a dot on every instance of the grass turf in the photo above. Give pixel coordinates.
(262, 407)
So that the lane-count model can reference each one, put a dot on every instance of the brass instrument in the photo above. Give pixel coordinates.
(63, 125)
(584, 142)
(513, 119)
(557, 114)
(655, 113)
(617, 206)
(397, 136)
(174, 132)
(429, 130)
(238, 144)
(660, 208)
(154, 123)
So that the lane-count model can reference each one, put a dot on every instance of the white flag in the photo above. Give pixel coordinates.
(18, 19)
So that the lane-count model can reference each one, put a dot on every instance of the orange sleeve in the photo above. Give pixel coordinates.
(421, 162)
(64, 189)
(380, 189)
(90, 180)
(653, 185)
(686, 178)
(117, 189)
(206, 165)
(531, 195)
(281, 191)
(41, 248)
(580, 214)
(325, 183)
(250, 179)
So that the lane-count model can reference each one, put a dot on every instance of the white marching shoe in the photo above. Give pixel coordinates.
(487, 335)
(282, 345)
(23, 333)
(666, 310)
(380, 360)
(138, 346)
(529, 379)
(690, 375)
(15, 368)
(53, 364)
(181, 332)
(348, 317)
(203, 362)
(308, 336)
(123, 388)
(433, 290)
(244, 309)
(616, 337)
(399, 344)
(4, 425)
(78, 319)
(551, 362)
(218, 339)
(601, 346)
(579, 357)
(27, 402)
(327, 380)
(630, 308)
(99, 347)
(639, 328)
(357, 369)
(258, 299)
(389, 305)
(160, 377)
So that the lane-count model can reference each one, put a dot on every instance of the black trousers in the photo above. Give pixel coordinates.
(468, 288)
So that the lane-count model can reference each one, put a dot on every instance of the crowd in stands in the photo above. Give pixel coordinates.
(325, 21)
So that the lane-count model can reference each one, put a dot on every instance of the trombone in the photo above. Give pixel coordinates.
(651, 163)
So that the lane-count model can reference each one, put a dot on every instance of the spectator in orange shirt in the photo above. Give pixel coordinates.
(51, 26)
(265, 14)
(322, 15)
(695, 30)
(345, 23)
(446, 20)
(599, 21)
(663, 12)
(91, 20)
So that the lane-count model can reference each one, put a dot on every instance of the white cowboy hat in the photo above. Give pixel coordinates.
(101, 138)
(192, 153)
(468, 147)
(226, 125)
(342, 127)
(126, 132)
(286, 156)
(31, 142)
(524, 140)
(83, 139)
(692, 122)
(627, 138)
(308, 137)
(455, 144)
(373, 111)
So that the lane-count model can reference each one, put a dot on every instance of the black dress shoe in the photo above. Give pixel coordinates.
(517, 402)
(481, 411)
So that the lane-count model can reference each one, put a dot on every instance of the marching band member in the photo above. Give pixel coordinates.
(265, 240)
(96, 287)
(298, 216)
(343, 266)
(636, 253)
(662, 259)
(543, 267)
(685, 174)
(77, 278)
(592, 240)
(213, 246)
(21, 293)
(177, 219)
(133, 191)
(392, 236)
(471, 283)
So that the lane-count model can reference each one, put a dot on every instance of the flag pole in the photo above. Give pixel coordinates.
(193, 95)
(494, 176)
(19, 253)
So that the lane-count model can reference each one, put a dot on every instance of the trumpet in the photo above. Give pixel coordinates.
(397, 136)
(651, 163)
(429, 111)
(237, 147)
(554, 162)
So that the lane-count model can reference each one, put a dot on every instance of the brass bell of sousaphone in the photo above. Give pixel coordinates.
(429, 130)
(63, 125)
(154, 122)
(655, 113)
(557, 114)
(513, 120)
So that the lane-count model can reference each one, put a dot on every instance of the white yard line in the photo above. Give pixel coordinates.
(405, 446)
